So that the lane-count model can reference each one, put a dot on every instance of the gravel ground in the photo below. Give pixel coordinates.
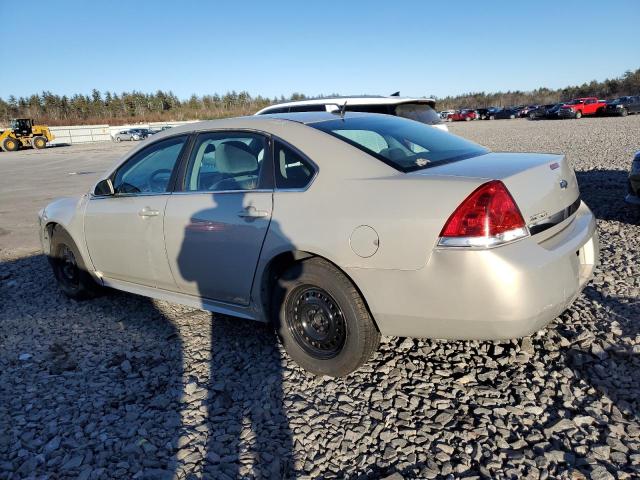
(126, 387)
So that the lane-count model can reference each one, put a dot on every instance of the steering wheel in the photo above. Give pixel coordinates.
(159, 180)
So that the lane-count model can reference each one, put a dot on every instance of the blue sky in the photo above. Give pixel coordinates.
(347, 47)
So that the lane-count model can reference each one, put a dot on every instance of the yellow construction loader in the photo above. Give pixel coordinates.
(23, 133)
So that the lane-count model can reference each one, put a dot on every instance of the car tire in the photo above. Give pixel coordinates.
(69, 269)
(624, 112)
(118, 139)
(467, 119)
(532, 116)
(491, 117)
(322, 320)
(10, 145)
(578, 115)
(512, 117)
(39, 142)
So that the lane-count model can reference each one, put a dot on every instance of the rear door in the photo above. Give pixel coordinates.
(214, 227)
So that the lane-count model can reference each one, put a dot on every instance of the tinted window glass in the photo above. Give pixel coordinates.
(409, 145)
(384, 109)
(292, 170)
(276, 110)
(307, 108)
(225, 161)
(149, 171)
(420, 112)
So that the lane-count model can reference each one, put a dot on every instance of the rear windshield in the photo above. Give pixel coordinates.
(404, 144)
(420, 112)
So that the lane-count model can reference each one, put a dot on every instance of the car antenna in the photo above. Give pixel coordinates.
(342, 109)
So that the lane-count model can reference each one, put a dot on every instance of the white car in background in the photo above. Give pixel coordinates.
(419, 109)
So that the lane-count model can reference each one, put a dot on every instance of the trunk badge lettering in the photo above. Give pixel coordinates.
(554, 165)
(563, 184)
(538, 216)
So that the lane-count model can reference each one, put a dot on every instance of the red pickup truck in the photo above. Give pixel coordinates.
(582, 106)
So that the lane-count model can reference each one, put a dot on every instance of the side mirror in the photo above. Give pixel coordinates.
(104, 188)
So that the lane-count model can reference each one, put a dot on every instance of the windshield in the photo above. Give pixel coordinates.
(404, 144)
(420, 112)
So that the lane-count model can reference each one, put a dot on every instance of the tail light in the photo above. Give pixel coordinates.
(486, 218)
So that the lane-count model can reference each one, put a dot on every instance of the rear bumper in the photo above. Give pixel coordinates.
(506, 292)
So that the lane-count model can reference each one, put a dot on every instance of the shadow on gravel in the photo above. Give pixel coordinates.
(614, 371)
(604, 191)
(248, 430)
(89, 389)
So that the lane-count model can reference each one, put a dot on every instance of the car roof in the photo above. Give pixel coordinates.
(353, 100)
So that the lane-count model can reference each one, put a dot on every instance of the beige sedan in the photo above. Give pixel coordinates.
(336, 228)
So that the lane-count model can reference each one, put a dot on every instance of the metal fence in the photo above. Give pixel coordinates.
(99, 133)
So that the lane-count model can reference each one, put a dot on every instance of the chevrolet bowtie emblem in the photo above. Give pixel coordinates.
(563, 184)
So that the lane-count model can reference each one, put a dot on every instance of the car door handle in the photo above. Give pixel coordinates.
(148, 212)
(251, 212)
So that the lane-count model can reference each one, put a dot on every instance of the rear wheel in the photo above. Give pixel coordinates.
(68, 267)
(322, 320)
(39, 142)
(578, 114)
(10, 144)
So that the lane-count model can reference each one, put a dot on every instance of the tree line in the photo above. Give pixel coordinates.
(134, 107)
(627, 84)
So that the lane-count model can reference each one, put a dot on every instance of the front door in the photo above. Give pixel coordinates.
(124, 231)
(215, 226)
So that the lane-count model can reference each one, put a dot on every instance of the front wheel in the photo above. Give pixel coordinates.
(68, 267)
(512, 117)
(322, 320)
(10, 145)
(118, 139)
(624, 112)
(578, 114)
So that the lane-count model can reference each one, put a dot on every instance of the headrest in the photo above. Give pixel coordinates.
(232, 159)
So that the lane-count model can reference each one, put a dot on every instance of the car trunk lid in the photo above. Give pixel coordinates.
(544, 186)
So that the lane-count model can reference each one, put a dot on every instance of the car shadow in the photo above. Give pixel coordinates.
(100, 381)
(604, 191)
(247, 425)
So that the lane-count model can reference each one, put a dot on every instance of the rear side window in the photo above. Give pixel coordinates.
(275, 110)
(307, 108)
(384, 109)
(420, 112)
(292, 170)
(401, 143)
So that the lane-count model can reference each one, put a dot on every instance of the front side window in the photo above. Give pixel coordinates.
(149, 171)
(224, 161)
(401, 143)
(291, 169)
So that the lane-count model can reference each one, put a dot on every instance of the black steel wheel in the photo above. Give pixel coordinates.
(68, 267)
(321, 318)
(316, 321)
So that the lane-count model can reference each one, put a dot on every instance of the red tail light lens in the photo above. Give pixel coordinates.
(487, 217)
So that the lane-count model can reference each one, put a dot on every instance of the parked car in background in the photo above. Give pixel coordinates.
(504, 113)
(633, 197)
(483, 113)
(125, 135)
(541, 111)
(400, 213)
(462, 115)
(491, 113)
(444, 115)
(580, 107)
(524, 112)
(419, 109)
(552, 112)
(623, 106)
(141, 133)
